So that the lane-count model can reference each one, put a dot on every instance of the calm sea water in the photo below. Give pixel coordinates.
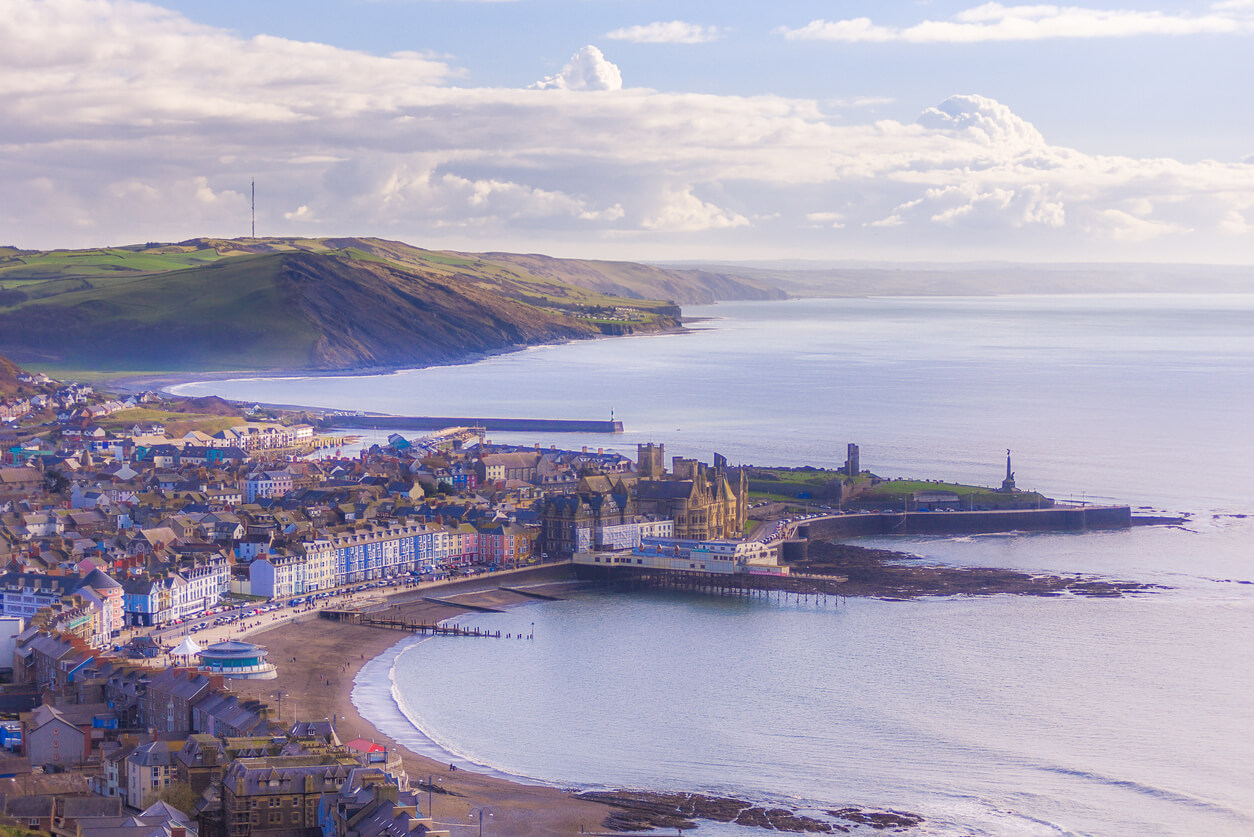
(1004, 715)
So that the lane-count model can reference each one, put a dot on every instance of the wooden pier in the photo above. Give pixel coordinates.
(413, 626)
(718, 584)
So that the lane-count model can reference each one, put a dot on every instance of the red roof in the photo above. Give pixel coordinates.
(366, 746)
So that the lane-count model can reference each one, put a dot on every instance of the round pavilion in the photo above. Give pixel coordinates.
(237, 659)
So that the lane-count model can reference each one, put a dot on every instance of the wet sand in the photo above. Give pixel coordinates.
(317, 660)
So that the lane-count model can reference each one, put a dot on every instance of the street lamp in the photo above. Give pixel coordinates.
(480, 811)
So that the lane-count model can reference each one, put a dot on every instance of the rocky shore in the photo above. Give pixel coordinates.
(645, 810)
(887, 574)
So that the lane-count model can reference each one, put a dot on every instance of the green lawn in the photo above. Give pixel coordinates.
(100, 262)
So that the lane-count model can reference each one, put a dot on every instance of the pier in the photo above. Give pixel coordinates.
(413, 626)
(718, 584)
(367, 422)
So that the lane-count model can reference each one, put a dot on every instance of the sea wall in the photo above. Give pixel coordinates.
(502, 424)
(1060, 519)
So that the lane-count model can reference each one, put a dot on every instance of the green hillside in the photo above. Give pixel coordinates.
(287, 304)
(36, 275)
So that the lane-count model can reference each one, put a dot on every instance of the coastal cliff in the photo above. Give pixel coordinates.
(270, 304)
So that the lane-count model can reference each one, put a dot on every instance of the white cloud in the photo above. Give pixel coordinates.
(588, 69)
(832, 220)
(1124, 226)
(682, 211)
(669, 32)
(1235, 223)
(997, 22)
(122, 122)
(983, 120)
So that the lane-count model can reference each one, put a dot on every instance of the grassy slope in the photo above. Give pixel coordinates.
(292, 303)
(289, 308)
(232, 311)
(629, 279)
(561, 281)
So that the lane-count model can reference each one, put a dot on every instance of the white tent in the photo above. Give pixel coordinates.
(186, 648)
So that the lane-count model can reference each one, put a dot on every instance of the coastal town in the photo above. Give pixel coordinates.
(117, 540)
(140, 563)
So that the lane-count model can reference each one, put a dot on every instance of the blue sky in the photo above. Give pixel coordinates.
(921, 130)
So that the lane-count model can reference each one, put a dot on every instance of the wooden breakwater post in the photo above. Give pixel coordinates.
(413, 626)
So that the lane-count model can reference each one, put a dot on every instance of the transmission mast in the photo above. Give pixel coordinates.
(254, 208)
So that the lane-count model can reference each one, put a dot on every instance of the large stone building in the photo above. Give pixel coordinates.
(612, 512)
(275, 796)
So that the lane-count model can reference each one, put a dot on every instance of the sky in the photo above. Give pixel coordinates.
(898, 131)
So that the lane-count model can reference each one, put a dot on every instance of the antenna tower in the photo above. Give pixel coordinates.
(254, 208)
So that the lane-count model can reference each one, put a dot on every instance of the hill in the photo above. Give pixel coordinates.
(284, 304)
(27, 274)
(861, 280)
(640, 281)
(10, 386)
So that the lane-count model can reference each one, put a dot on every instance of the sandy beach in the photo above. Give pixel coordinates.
(317, 660)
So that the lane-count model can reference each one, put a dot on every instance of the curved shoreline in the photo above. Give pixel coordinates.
(374, 696)
(318, 663)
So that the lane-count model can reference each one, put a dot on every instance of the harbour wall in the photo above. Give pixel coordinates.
(502, 424)
(1058, 519)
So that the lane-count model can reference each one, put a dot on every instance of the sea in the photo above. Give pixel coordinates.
(1001, 715)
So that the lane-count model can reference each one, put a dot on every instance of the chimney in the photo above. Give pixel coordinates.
(178, 831)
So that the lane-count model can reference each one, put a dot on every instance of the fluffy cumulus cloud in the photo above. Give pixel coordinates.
(587, 69)
(123, 122)
(670, 32)
(983, 120)
(998, 22)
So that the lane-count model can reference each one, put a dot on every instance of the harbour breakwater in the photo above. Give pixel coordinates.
(368, 422)
(1056, 519)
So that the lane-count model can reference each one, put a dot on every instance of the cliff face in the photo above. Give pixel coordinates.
(368, 313)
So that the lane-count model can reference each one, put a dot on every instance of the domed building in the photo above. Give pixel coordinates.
(237, 659)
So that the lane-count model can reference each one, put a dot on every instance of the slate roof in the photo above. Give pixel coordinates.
(266, 777)
(99, 581)
(664, 490)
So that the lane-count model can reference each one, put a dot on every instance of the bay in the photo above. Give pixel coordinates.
(1003, 715)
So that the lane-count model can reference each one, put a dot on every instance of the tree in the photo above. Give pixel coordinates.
(180, 795)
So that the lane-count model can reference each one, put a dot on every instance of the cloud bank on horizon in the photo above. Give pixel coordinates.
(126, 122)
(997, 22)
